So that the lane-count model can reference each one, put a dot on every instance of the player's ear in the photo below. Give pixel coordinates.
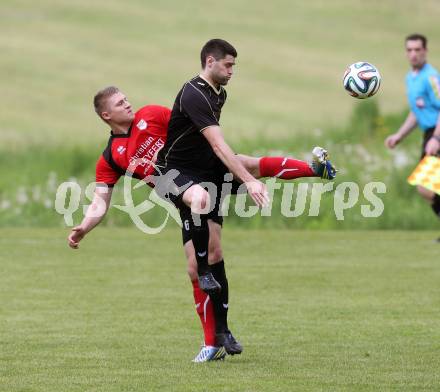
(105, 116)
(209, 61)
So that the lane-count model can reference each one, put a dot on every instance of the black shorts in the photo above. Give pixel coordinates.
(172, 182)
(426, 136)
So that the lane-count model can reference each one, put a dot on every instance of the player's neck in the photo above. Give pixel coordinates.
(417, 68)
(120, 129)
(209, 80)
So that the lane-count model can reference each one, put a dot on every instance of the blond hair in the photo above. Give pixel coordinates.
(101, 97)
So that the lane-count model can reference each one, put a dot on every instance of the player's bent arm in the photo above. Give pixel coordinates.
(224, 152)
(408, 125)
(256, 189)
(405, 129)
(99, 207)
(94, 215)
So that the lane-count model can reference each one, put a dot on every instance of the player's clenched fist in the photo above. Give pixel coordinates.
(75, 236)
(392, 140)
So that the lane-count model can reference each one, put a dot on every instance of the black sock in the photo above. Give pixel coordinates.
(220, 301)
(436, 205)
(200, 237)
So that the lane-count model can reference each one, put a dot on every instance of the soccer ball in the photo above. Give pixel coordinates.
(362, 80)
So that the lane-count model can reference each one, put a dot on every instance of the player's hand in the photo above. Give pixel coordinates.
(258, 192)
(392, 140)
(432, 147)
(75, 236)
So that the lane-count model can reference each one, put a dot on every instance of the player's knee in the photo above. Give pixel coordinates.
(199, 199)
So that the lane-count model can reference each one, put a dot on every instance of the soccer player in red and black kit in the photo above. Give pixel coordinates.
(134, 142)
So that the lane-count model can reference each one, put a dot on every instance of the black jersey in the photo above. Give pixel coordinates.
(197, 106)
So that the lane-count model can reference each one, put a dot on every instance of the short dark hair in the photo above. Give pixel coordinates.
(101, 98)
(218, 48)
(417, 37)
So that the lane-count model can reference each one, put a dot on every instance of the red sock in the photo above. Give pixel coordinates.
(206, 313)
(285, 168)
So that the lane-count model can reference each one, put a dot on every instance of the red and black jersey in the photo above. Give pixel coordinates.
(135, 151)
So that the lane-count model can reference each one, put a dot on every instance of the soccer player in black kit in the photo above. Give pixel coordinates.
(195, 152)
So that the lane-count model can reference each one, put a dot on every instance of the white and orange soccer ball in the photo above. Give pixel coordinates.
(362, 80)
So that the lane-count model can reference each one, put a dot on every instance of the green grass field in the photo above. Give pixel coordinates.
(316, 311)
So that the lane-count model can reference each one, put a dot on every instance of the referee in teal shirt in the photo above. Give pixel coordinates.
(423, 91)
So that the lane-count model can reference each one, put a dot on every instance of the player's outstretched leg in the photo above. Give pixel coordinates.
(289, 168)
(279, 167)
(321, 165)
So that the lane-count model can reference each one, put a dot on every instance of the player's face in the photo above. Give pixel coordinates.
(118, 109)
(416, 53)
(222, 70)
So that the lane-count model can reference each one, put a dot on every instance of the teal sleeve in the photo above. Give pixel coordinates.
(432, 86)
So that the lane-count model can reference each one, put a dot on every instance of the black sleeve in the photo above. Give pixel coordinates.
(196, 106)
